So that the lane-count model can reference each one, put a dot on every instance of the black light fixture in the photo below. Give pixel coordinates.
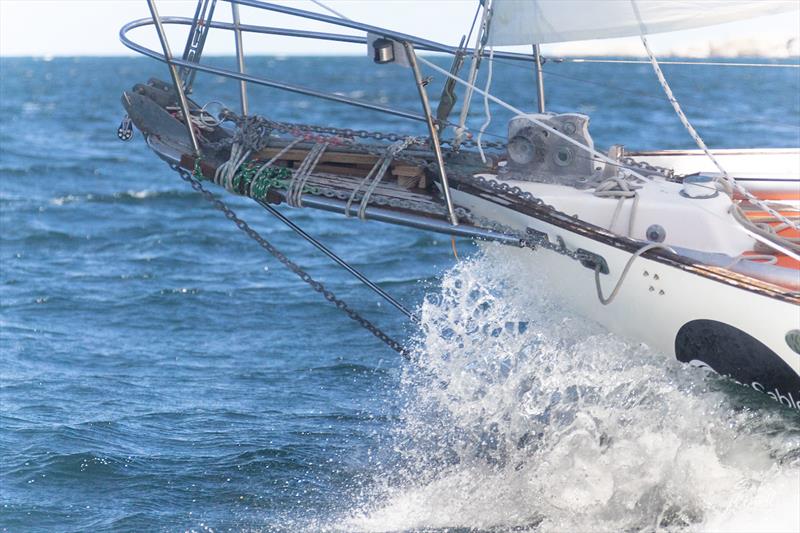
(383, 51)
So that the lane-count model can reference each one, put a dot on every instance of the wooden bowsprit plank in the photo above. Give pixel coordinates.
(336, 161)
(344, 183)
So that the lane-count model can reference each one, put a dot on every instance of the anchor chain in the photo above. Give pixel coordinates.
(285, 261)
(257, 129)
(528, 239)
(262, 125)
(667, 173)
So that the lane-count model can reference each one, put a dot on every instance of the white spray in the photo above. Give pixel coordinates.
(522, 416)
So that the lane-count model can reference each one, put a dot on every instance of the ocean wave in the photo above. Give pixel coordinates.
(523, 416)
(130, 196)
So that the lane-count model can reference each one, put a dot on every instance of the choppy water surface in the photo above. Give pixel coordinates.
(160, 373)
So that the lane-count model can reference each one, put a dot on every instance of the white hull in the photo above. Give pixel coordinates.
(657, 300)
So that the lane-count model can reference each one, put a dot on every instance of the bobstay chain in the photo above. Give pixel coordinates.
(288, 263)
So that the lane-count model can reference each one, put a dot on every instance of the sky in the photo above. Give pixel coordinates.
(90, 27)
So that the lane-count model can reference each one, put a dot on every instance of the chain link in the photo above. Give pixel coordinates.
(527, 239)
(652, 169)
(256, 128)
(288, 263)
(343, 135)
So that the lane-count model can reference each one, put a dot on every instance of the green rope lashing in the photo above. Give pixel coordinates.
(198, 171)
(245, 181)
(269, 178)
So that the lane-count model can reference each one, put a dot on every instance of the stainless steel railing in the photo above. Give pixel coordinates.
(190, 63)
(183, 71)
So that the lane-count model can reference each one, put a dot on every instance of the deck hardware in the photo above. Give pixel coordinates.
(125, 130)
(383, 50)
(536, 237)
(592, 261)
(699, 187)
(588, 259)
(656, 233)
(448, 98)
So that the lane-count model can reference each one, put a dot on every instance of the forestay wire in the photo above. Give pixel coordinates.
(729, 181)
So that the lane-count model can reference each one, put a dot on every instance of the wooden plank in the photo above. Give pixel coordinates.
(342, 176)
(408, 170)
(344, 171)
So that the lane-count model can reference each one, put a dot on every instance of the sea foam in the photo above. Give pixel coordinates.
(521, 415)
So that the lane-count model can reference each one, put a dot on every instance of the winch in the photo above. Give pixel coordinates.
(536, 154)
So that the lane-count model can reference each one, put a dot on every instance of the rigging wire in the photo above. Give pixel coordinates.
(486, 108)
(330, 9)
(638, 94)
(629, 171)
(473, 71)
(727, 178)
(539, 123)
(474, 20)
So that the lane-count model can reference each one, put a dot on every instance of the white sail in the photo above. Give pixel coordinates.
(516, 22)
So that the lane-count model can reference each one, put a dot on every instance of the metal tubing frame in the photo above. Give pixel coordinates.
(539, 78)
(256, 80)
(379, 214)
(347, 23)
(243, 78)
(434, 132)
(240, 57)
(420, 44)
(176, 79)
(336, 259)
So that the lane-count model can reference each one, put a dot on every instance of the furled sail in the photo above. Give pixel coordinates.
(516, 22)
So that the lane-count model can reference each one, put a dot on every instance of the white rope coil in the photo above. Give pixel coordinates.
(620, 189)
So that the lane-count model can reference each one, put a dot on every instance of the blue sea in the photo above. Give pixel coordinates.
(159, 372)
